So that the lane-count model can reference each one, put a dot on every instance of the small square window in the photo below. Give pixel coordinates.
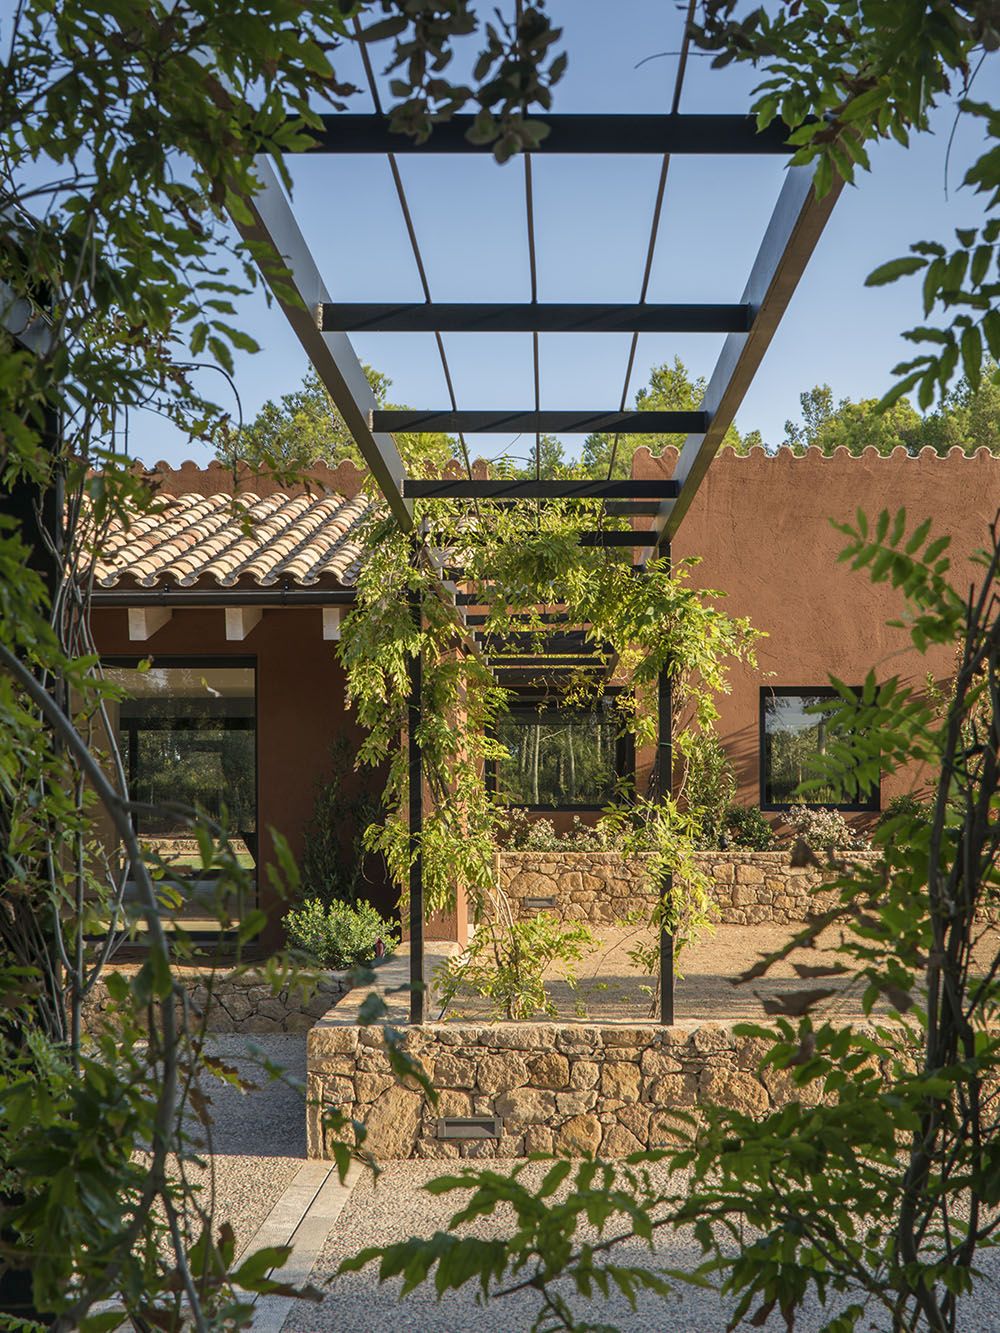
(794, 730)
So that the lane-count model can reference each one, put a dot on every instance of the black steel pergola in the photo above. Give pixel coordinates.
(323, 325)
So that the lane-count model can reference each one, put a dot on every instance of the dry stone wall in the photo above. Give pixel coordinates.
(564, 1088)
(242, 1001)
(750, 888)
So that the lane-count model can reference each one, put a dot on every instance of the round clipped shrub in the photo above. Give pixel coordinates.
(340, 935)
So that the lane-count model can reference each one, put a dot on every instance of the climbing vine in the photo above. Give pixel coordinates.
(516, 561)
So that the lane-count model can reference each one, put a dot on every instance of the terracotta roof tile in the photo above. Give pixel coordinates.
(243, 540)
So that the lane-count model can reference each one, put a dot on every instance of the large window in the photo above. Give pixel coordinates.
(561, 759)
(187, 734)
(795, 729)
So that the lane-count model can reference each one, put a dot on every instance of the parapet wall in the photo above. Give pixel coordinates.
(566, 1088)
(238, 1001)
(750, 888)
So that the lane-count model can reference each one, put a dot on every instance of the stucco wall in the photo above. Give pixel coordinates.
(301, 711)
(761, 525)
(749, 888)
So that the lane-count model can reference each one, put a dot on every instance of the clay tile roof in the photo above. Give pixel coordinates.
(238, 540)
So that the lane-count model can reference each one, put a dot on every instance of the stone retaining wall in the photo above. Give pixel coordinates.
(242, 1001)
(751, 888)
(565, 1088)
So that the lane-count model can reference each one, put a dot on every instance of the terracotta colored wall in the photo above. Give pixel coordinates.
(301, 710)
(761, 525)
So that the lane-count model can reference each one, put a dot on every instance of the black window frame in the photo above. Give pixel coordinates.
(204, 661)
(870, 806)
(537, 705)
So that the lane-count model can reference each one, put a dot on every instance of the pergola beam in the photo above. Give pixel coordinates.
(546, 618)
(791, 237)
(499, 645)
(528, 317)
(590, 134)
(274, 227)
(528, 422)
(631, 508)
(655, 488)
(549, 664)
(634, 537)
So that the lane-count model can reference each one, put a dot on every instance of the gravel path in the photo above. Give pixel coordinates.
(259, 1136)
(395, 1207)
(611, 987)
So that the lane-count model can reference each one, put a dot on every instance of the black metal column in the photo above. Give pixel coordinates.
(416, 784)
(664, 772)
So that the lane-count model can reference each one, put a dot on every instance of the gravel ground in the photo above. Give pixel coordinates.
(610, 987)
(395, 1207)
(259, 1136)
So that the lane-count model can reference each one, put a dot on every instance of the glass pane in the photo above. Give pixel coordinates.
(793, 737)
(187, 735)
(560, 760)
(205, 767)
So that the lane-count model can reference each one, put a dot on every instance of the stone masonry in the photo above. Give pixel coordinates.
(606, 1089)
(750, 888)
(242, 1001)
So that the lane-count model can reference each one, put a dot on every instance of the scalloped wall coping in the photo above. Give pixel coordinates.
(348, 480)
(644, 460)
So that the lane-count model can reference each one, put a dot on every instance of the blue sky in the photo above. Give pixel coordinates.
(592, 224)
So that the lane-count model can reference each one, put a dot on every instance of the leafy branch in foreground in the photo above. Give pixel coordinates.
(842, 77)
(128, 136)
(872, 1188)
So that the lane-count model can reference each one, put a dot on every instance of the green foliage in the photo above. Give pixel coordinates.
(514, 562)
(966, 419)
(506, 962)
(825, 829)
(878, 1175)
(545, 1222)
(340, 935)
(305, 428)
(709, 783)
(129, 135)
(842, 77)
(746, 827)
(333, 851)
(671, 389)
(516, 69)
(522, 833)
(905, 820)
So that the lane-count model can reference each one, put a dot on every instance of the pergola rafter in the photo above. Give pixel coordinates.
(589, 135)
(534, 317)
(530, 421)
(524, 659)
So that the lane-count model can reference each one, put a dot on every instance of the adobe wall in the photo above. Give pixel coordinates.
(761, 524)
(749, 888)
(215, 478)
(301, 711)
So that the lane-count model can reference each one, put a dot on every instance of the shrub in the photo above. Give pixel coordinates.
(506, 963)
(539, 835)
(333, 855)
(340, 935)
(826, 829)
(904, 821)
(709, 783)
(746, 827)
